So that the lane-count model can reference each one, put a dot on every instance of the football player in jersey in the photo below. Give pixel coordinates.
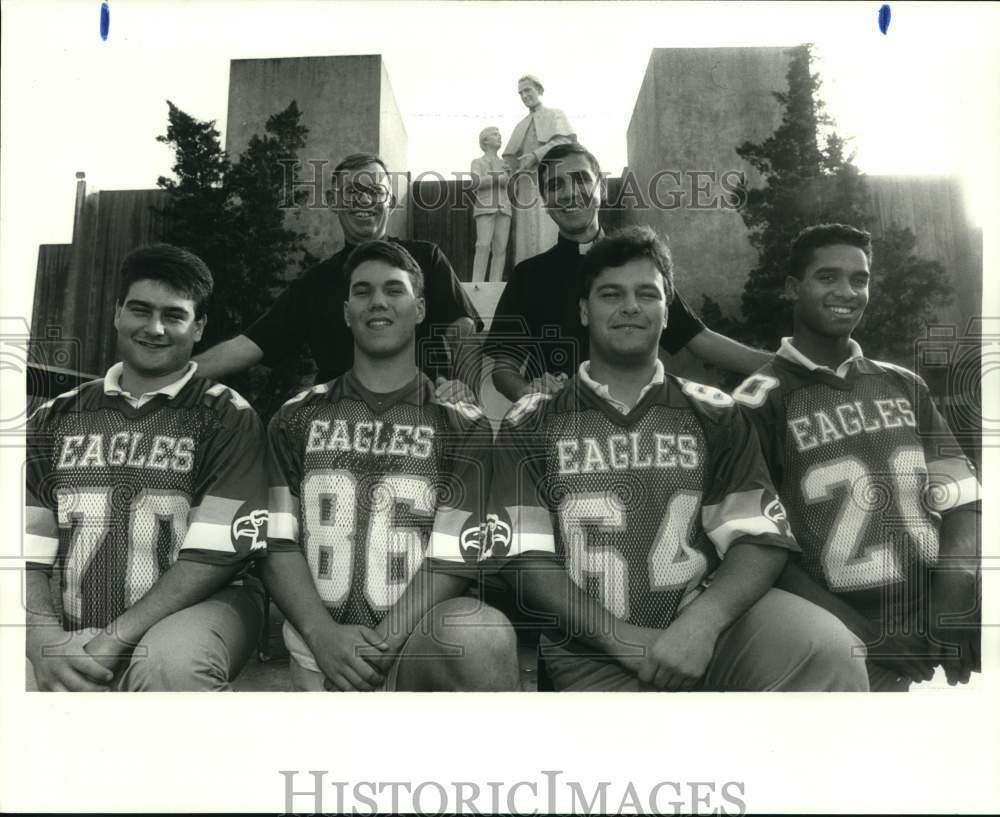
(146, 497)
(652, 492)
(879, 496)
(365, 468)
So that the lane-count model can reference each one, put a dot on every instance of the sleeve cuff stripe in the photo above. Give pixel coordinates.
(724, 534)
(523, 542)
(209, 536)
(42, 549)
(948, 494)
(216, 510)
(282, 525)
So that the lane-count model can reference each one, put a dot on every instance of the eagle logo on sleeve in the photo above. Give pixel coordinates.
(774, 511)
(489, 539)
(249, 528)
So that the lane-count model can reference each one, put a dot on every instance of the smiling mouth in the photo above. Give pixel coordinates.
(378, 323)
(149, 345)
(843, 311)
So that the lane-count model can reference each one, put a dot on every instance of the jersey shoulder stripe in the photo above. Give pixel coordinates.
(707, 402)
(74, 399)
(219, 395)
(909, 377)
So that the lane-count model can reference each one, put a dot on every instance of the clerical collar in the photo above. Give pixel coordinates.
(581, 249)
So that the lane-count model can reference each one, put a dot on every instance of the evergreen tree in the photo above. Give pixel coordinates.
(232, 215)
(804, 184)
(905, 290)
(808, 178)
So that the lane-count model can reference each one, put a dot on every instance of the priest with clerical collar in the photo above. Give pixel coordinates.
(536, 339)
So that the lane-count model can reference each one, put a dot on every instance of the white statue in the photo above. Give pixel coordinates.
(491, 208)
(543, 128)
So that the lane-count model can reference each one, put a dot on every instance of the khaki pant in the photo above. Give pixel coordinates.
(782, 643)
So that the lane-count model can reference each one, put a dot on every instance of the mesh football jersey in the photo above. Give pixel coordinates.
(639, 507)
(361, 481)
(116, 494)
(865, 465)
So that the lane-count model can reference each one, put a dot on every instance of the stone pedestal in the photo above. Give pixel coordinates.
(695, 106)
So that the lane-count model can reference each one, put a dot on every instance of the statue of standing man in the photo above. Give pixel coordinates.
(543, 128)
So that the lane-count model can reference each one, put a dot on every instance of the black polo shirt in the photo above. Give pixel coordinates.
(311, 310)
(538, 316)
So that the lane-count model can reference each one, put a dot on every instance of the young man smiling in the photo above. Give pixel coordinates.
(365, 470)
(146, 494)
(537, 325)
(883, 505)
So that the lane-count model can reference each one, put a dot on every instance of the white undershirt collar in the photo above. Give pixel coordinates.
(603, 391)
(113, 381)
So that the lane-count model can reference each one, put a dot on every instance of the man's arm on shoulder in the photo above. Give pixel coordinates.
(279, 332)
(229, 357)
(727, 353)
(503, 342)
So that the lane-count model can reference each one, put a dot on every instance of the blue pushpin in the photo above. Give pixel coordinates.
(105, 21)
(884, 16)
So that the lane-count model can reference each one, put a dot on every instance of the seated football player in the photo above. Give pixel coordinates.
(652, 492)
(147, 497)
(364, 468)
(884, 506)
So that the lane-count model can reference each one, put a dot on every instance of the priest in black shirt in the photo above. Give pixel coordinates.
(537, 323)
(311, 309)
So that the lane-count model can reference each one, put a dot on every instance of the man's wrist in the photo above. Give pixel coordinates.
(316, 627)
(702, 622)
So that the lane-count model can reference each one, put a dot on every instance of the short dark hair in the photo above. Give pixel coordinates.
(175, 267)
(392, 254)
(622, 246)
(825, 235)
(356, 160)
(559, 152)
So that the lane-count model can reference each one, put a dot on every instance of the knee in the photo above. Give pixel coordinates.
(840, 657)
(162, 662)
(485, 648)
(833, 657)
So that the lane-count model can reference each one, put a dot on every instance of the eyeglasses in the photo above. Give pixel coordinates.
(375, 194)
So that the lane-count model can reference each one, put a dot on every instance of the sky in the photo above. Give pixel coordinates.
(912, 101)
(922, 99)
